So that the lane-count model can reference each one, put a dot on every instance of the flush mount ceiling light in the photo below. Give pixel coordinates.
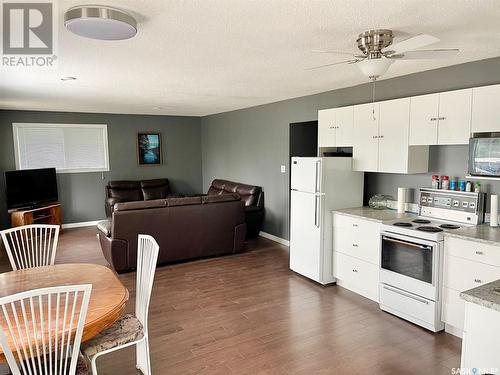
(98, 22)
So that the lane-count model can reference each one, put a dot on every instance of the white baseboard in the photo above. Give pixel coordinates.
(80, 224)
(274, 238)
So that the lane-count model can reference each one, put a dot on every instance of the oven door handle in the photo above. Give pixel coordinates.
(406, 295)
(390, 239)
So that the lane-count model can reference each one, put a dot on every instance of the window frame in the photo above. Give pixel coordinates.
(103, 127)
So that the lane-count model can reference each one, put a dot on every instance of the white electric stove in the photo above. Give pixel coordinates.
(412, 254)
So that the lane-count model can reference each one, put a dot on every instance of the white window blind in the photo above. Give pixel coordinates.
(70, 148)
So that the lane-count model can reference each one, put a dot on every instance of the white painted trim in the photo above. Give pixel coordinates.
(80, 224)
(274, 238)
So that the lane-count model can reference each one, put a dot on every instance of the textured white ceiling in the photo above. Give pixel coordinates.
(209, 56)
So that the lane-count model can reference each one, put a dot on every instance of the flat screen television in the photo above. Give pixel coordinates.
(31, 187)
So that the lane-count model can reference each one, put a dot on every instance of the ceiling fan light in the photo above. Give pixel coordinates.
(374, 68)
(99, 22)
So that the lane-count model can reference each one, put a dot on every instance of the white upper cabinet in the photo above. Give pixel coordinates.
(344, 118)
(485, 116)
(454, 117)
(424, 113)
(441, 119)
(393, 136)
(326, 128)
(365, 149)
(335, 127)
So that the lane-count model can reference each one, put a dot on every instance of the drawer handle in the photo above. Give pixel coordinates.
(478, 281)
(355, 245)
(355, 270)
(406, 295)
(355, 225)
(479, 252)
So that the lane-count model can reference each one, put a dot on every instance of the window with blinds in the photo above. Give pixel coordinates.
(70, 148)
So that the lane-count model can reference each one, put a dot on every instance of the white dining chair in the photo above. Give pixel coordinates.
(42, 329)
(131, 329)
(31, 245)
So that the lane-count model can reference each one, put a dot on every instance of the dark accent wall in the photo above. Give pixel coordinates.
(249, 145)
(82, 194)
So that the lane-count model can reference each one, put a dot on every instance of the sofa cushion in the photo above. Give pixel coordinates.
(125, 190)
(171, 202)
(140, 205)
(220, 198)
(155, 189)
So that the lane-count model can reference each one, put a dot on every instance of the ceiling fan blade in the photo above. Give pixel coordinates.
(427, 54)
(332, 51)
(415, 42)
(336, 63)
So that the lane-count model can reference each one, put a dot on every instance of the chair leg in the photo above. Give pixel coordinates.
(143, 361)
(94, 364)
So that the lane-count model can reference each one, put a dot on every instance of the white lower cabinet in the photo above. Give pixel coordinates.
(356, 256)
(481, 341)
(467, 264)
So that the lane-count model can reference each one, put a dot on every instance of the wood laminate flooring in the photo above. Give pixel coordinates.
(249, 314)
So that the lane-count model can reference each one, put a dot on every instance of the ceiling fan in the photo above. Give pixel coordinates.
(378, 52)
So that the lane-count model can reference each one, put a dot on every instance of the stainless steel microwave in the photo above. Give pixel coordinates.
(484, 154)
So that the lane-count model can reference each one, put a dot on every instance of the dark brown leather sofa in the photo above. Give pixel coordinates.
(253, 196)
(129, 191)
(185, 228)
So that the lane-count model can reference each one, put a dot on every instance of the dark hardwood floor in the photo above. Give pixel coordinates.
(249, 314)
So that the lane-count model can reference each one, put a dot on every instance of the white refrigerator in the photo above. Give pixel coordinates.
(318, 186)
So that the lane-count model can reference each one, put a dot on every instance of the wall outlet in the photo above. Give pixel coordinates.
(283, 169)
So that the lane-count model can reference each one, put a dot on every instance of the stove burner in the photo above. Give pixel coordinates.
(421, 221)
(430, 229)
(449, 226)
(402, 224)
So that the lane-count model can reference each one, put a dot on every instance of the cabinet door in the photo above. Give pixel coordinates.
(393, 129)
(424, 111)
(326, 128)
(365, 147)
(343, 126)
(454, 117)
(485, 116)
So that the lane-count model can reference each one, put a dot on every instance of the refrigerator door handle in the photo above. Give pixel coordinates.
(317, 182)
(317, 210)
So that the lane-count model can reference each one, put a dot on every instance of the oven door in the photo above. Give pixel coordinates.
(410, 264)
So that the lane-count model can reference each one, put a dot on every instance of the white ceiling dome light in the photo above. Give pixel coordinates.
(374, 68)
(100, 22)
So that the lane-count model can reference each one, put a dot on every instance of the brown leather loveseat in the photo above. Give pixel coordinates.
(129, 191)
(253, 196)
(185, 228)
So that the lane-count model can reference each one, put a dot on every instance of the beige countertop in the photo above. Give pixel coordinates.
(487, 295)
(479, 233)
(371, 214)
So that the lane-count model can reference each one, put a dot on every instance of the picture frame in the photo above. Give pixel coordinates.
(149, 148)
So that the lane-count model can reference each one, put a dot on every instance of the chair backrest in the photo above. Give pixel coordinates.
(147, 256)
(41, 329)
(31, 245)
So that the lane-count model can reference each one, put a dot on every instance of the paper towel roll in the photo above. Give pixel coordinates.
(401, 199)
(494, 210)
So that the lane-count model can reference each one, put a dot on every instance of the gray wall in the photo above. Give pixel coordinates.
(82, 194)
(249, 145)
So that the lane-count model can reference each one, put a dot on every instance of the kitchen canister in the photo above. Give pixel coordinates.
(401, 199)
(494, 210)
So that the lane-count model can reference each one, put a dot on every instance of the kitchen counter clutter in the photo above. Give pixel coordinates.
(480, 233)
(371, 214)
(487, 295)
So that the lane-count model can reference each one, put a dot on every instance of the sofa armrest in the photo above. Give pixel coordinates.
(240, 233)
(110, 202)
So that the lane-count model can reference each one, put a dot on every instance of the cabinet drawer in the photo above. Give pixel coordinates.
(463, 274)
(357, 275)
(475, 251)
(453, 312)
(358, 238)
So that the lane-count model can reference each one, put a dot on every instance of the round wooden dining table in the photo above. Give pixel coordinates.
(107, 299)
